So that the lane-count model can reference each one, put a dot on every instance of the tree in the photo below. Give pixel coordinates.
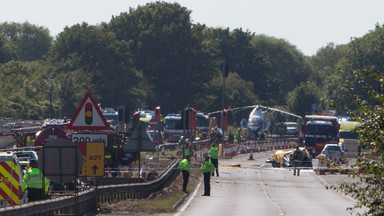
(359, 53)
(300, 100)
(368, 190)
(89, 58)
(28, 42)
(285, 68)
(325, 62)
(244, 59)
(238, 92)
(5, 52)
(169, 50)
(21, 90)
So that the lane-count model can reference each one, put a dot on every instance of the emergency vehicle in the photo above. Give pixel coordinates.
(112, 117)
(177, 125)
(11, 179)
(202, 125)
(317, 131)
(173, 129)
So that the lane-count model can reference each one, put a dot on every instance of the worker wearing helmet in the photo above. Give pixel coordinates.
(35, 183)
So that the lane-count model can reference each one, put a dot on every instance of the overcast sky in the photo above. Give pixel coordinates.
(307, 24)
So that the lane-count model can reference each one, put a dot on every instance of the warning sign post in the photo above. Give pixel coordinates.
(93, 164)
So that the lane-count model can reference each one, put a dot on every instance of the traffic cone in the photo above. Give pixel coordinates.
(109, 172)
(143, 171)
(251, 156)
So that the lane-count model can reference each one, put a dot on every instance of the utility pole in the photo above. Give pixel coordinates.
(224, 68)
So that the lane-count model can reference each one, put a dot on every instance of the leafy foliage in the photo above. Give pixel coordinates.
(24, 42)
(153, 55)
(369, 191)
(302, 98)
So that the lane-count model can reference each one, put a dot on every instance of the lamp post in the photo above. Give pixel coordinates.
(224, 72)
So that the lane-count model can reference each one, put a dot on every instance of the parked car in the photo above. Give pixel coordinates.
(291, 128)
(334, 151)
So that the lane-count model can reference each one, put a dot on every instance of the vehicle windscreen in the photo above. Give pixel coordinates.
(320, 132)
(25, 156)
(112, 119)
(333, 148)
(202, 121)
(172, 124)
(291, 125)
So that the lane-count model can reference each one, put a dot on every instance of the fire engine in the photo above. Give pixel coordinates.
(177, 125)
(317, 131)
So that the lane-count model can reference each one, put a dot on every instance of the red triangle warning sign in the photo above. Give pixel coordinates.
(88, 116)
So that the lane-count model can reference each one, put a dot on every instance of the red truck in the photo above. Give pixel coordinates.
(317, 131)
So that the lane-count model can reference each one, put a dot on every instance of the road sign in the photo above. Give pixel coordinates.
(88, 116)
(93, 160)
(92, 148)
(140, 141)
(89, 138)
(153, 123)
(60, 160)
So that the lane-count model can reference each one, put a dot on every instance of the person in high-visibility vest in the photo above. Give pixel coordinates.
(214, 154)
(185, 167)
(207, 168)
(34, 183)
(238, 136)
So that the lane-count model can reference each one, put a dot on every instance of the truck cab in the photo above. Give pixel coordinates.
(317, 131)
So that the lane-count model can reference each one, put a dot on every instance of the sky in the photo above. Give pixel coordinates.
(307, 24)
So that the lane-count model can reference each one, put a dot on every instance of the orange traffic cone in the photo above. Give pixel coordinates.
(143, 171)
(251, 156)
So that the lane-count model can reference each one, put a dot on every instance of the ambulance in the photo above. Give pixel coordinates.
(11, 178)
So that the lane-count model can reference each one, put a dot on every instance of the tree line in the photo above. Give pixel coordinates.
(153, 55)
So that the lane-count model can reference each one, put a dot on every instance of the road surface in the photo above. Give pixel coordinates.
(258, 189)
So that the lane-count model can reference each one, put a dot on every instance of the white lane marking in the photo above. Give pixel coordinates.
(269, 197)
(186, 205)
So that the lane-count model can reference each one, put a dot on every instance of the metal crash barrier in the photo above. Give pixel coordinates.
(86, 201)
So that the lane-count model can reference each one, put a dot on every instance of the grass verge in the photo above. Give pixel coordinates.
(157, 203)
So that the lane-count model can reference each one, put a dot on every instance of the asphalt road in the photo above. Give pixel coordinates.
(256, 188)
